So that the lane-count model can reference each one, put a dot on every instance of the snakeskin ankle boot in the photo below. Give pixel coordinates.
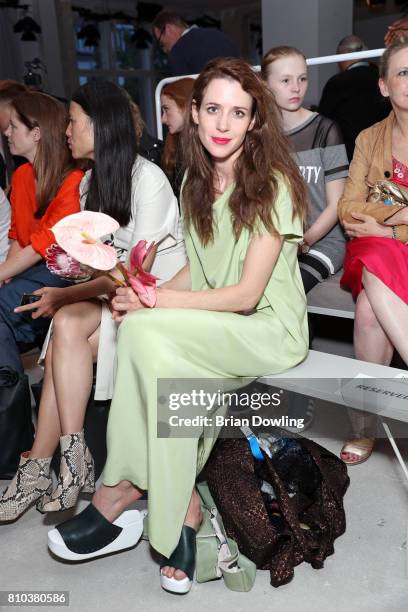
(77, 473)
(31, 483)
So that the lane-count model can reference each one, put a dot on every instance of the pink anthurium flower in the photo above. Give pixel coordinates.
(79, 235)
(143, 283)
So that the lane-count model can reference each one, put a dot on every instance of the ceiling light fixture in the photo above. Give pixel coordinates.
(27, 26)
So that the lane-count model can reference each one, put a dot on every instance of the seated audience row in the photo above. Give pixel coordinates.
(244, 241)
(138, 196)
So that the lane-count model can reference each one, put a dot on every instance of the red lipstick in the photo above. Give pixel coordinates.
(220, 141)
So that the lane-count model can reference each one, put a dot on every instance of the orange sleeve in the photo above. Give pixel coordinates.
(66, 202)
(18, 182)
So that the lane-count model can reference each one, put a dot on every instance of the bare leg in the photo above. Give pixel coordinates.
(193, 519)
(112, 501)
(48, 425)
(390, 310)
(370, 344)
(75, 347)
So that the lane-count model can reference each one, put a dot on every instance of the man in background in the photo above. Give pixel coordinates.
(189, 48)
(352, 97)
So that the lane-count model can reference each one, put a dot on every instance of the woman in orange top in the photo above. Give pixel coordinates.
(43, 191)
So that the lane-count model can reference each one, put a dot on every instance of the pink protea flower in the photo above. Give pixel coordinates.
(63, 265)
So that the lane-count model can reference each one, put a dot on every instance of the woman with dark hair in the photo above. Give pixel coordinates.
(43, 191)
(138, 195)
(244, 204)
(174, 100)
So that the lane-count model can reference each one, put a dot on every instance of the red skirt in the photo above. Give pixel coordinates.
(386, 258)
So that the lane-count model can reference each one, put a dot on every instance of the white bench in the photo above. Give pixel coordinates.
(328, 298)
(374, 388)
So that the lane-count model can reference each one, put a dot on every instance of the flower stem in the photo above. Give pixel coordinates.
(117, 282)
(124, 272)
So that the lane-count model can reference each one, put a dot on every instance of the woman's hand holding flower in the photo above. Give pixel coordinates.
(125, 301)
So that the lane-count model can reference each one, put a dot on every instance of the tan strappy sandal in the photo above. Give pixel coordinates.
(361, 447)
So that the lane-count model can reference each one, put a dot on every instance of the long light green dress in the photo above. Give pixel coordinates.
(184, 343)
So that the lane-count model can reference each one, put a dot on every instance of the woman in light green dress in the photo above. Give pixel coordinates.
(243, 204)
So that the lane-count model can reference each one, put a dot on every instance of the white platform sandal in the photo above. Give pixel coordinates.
(89, 534)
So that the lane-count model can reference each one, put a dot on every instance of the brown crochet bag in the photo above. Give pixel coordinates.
(296, 527)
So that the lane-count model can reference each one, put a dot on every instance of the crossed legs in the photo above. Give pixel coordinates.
(381, 324)
(66, 388)
(390, 311)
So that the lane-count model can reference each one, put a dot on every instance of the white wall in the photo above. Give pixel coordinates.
(11, 60)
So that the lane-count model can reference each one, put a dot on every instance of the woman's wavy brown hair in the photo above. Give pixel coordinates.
(179, 91)
(53, 159)
(265, 156)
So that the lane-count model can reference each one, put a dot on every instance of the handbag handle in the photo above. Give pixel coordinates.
(239, 573)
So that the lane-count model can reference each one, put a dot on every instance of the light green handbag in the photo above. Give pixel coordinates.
(217, 555)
